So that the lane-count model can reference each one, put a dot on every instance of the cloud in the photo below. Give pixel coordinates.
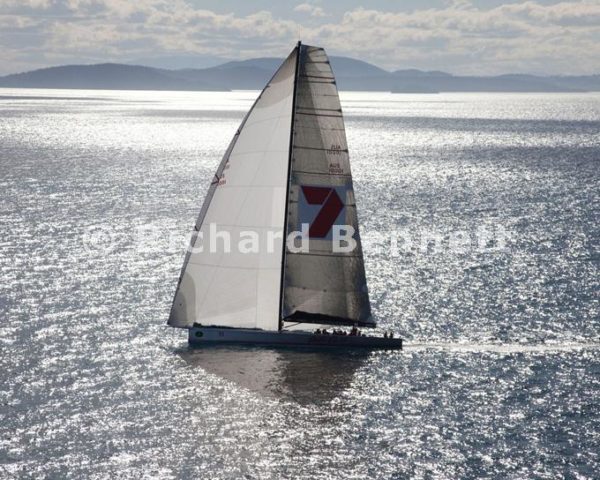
(457, 36)
(312, 10)
(527, 37)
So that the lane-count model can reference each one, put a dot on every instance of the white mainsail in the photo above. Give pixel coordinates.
(287, 165)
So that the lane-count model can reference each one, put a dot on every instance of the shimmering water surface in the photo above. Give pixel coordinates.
(501, 374)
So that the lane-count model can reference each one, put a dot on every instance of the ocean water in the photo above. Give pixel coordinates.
(494, 283)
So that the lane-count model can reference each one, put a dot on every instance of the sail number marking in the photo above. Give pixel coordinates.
(335, 149)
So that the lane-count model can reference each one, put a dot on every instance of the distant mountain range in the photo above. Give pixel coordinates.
(252, 74)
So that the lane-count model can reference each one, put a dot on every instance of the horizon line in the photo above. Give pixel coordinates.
(133, 63)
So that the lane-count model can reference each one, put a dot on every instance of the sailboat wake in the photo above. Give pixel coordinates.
(475, 347)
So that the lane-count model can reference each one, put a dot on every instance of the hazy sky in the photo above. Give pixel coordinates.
(460, 36)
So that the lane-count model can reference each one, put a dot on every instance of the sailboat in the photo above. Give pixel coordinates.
(284, 181)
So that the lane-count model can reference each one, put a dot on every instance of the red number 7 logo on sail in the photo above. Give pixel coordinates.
(332, 206)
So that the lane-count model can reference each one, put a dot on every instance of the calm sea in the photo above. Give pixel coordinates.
(480, 215)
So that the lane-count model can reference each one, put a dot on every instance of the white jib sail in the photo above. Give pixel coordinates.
(234, 288)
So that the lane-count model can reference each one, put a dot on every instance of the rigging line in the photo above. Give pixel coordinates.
(319, 108)
(332, 150)
(315, 81)
(267, 228)
(304, 172)
(319, 114)
(306, 127)
(347, 205)
(287, 326)
(317, 76)
(325, 254)
(228, 267)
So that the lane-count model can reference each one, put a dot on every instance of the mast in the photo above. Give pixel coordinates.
(287, 186)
